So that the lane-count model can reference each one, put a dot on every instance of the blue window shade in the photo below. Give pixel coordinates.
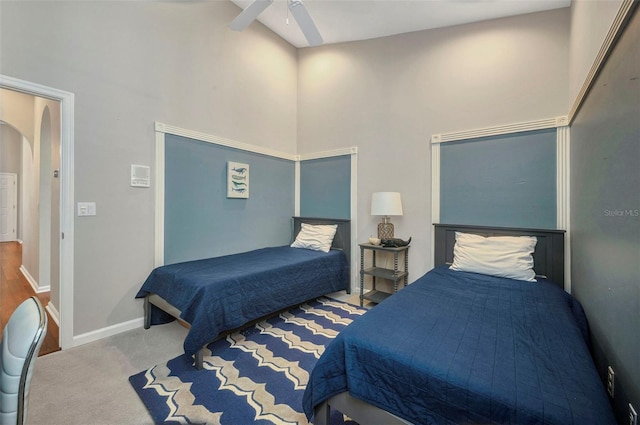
(505, 180)
(325, 187)
(201, 222)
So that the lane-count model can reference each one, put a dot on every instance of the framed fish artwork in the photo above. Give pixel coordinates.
(237, 180)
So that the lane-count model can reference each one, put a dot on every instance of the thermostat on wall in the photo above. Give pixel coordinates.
(140, 176)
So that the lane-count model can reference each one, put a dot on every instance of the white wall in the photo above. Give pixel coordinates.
(43, 139)
(17, 108)
(590, 23)
(10, 146)
(11, 161)
(30, 224)
(130, 64)
(388, 96)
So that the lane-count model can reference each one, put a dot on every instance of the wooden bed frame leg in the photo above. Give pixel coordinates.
(147, 313)
(199, 358)
(322, 414)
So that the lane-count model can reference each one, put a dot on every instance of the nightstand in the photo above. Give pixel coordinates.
(376, 272)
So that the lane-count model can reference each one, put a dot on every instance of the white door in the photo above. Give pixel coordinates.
(8, 207)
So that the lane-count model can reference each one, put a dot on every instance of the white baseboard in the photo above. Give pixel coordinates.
(53, 312)
(34, 284)
(108, 331)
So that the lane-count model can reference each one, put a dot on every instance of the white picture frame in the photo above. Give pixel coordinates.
(237, 180)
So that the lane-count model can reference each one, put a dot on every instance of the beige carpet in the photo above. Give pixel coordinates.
(88, 385)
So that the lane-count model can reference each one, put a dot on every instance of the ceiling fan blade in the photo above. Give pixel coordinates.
(249, 15)
(305, 22)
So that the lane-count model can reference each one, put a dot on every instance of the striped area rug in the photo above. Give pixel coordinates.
(257, 375)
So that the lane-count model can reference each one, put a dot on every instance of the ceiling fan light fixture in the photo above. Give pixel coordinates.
(306, 24)
(248, 15)
(297, 9)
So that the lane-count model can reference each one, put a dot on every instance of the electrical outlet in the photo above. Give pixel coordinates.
(633, 416)
(611, 376)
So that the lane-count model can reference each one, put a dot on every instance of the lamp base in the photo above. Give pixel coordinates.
(385, 230)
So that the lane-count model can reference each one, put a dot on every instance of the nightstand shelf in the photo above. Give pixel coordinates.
(375, 296)
(385, 273)
(394, 275)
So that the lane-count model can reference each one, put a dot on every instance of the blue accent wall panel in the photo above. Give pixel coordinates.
(325, 187)
(507, 180)
(201, 222)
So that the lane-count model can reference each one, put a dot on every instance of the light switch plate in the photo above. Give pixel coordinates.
(86, 209)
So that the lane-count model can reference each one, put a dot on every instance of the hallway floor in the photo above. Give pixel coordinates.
(14, 288)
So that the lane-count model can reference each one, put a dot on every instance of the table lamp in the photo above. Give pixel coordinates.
(386, 204)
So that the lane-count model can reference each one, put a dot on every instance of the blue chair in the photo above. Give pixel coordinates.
(21, 340)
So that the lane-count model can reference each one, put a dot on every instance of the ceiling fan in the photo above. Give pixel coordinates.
(298, 10)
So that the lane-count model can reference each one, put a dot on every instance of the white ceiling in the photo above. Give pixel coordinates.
(350, 20)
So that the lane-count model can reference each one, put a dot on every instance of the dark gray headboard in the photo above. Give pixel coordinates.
(342, 239)
(548, 256)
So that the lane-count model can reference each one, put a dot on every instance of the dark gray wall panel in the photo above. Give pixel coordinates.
(605, 215)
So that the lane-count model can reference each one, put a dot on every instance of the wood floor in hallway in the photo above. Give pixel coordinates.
(14, 289)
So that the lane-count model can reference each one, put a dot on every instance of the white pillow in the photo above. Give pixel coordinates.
(315, 237)
(503, 256)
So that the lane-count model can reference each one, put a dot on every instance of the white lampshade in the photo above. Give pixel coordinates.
(386, 203)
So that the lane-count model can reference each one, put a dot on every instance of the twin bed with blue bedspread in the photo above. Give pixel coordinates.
(456, 347)
(216, 295)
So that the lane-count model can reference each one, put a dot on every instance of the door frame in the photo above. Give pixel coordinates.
(66, 100)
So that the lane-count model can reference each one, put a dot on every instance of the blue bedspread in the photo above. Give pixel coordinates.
(219, 294)
(456, 347)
